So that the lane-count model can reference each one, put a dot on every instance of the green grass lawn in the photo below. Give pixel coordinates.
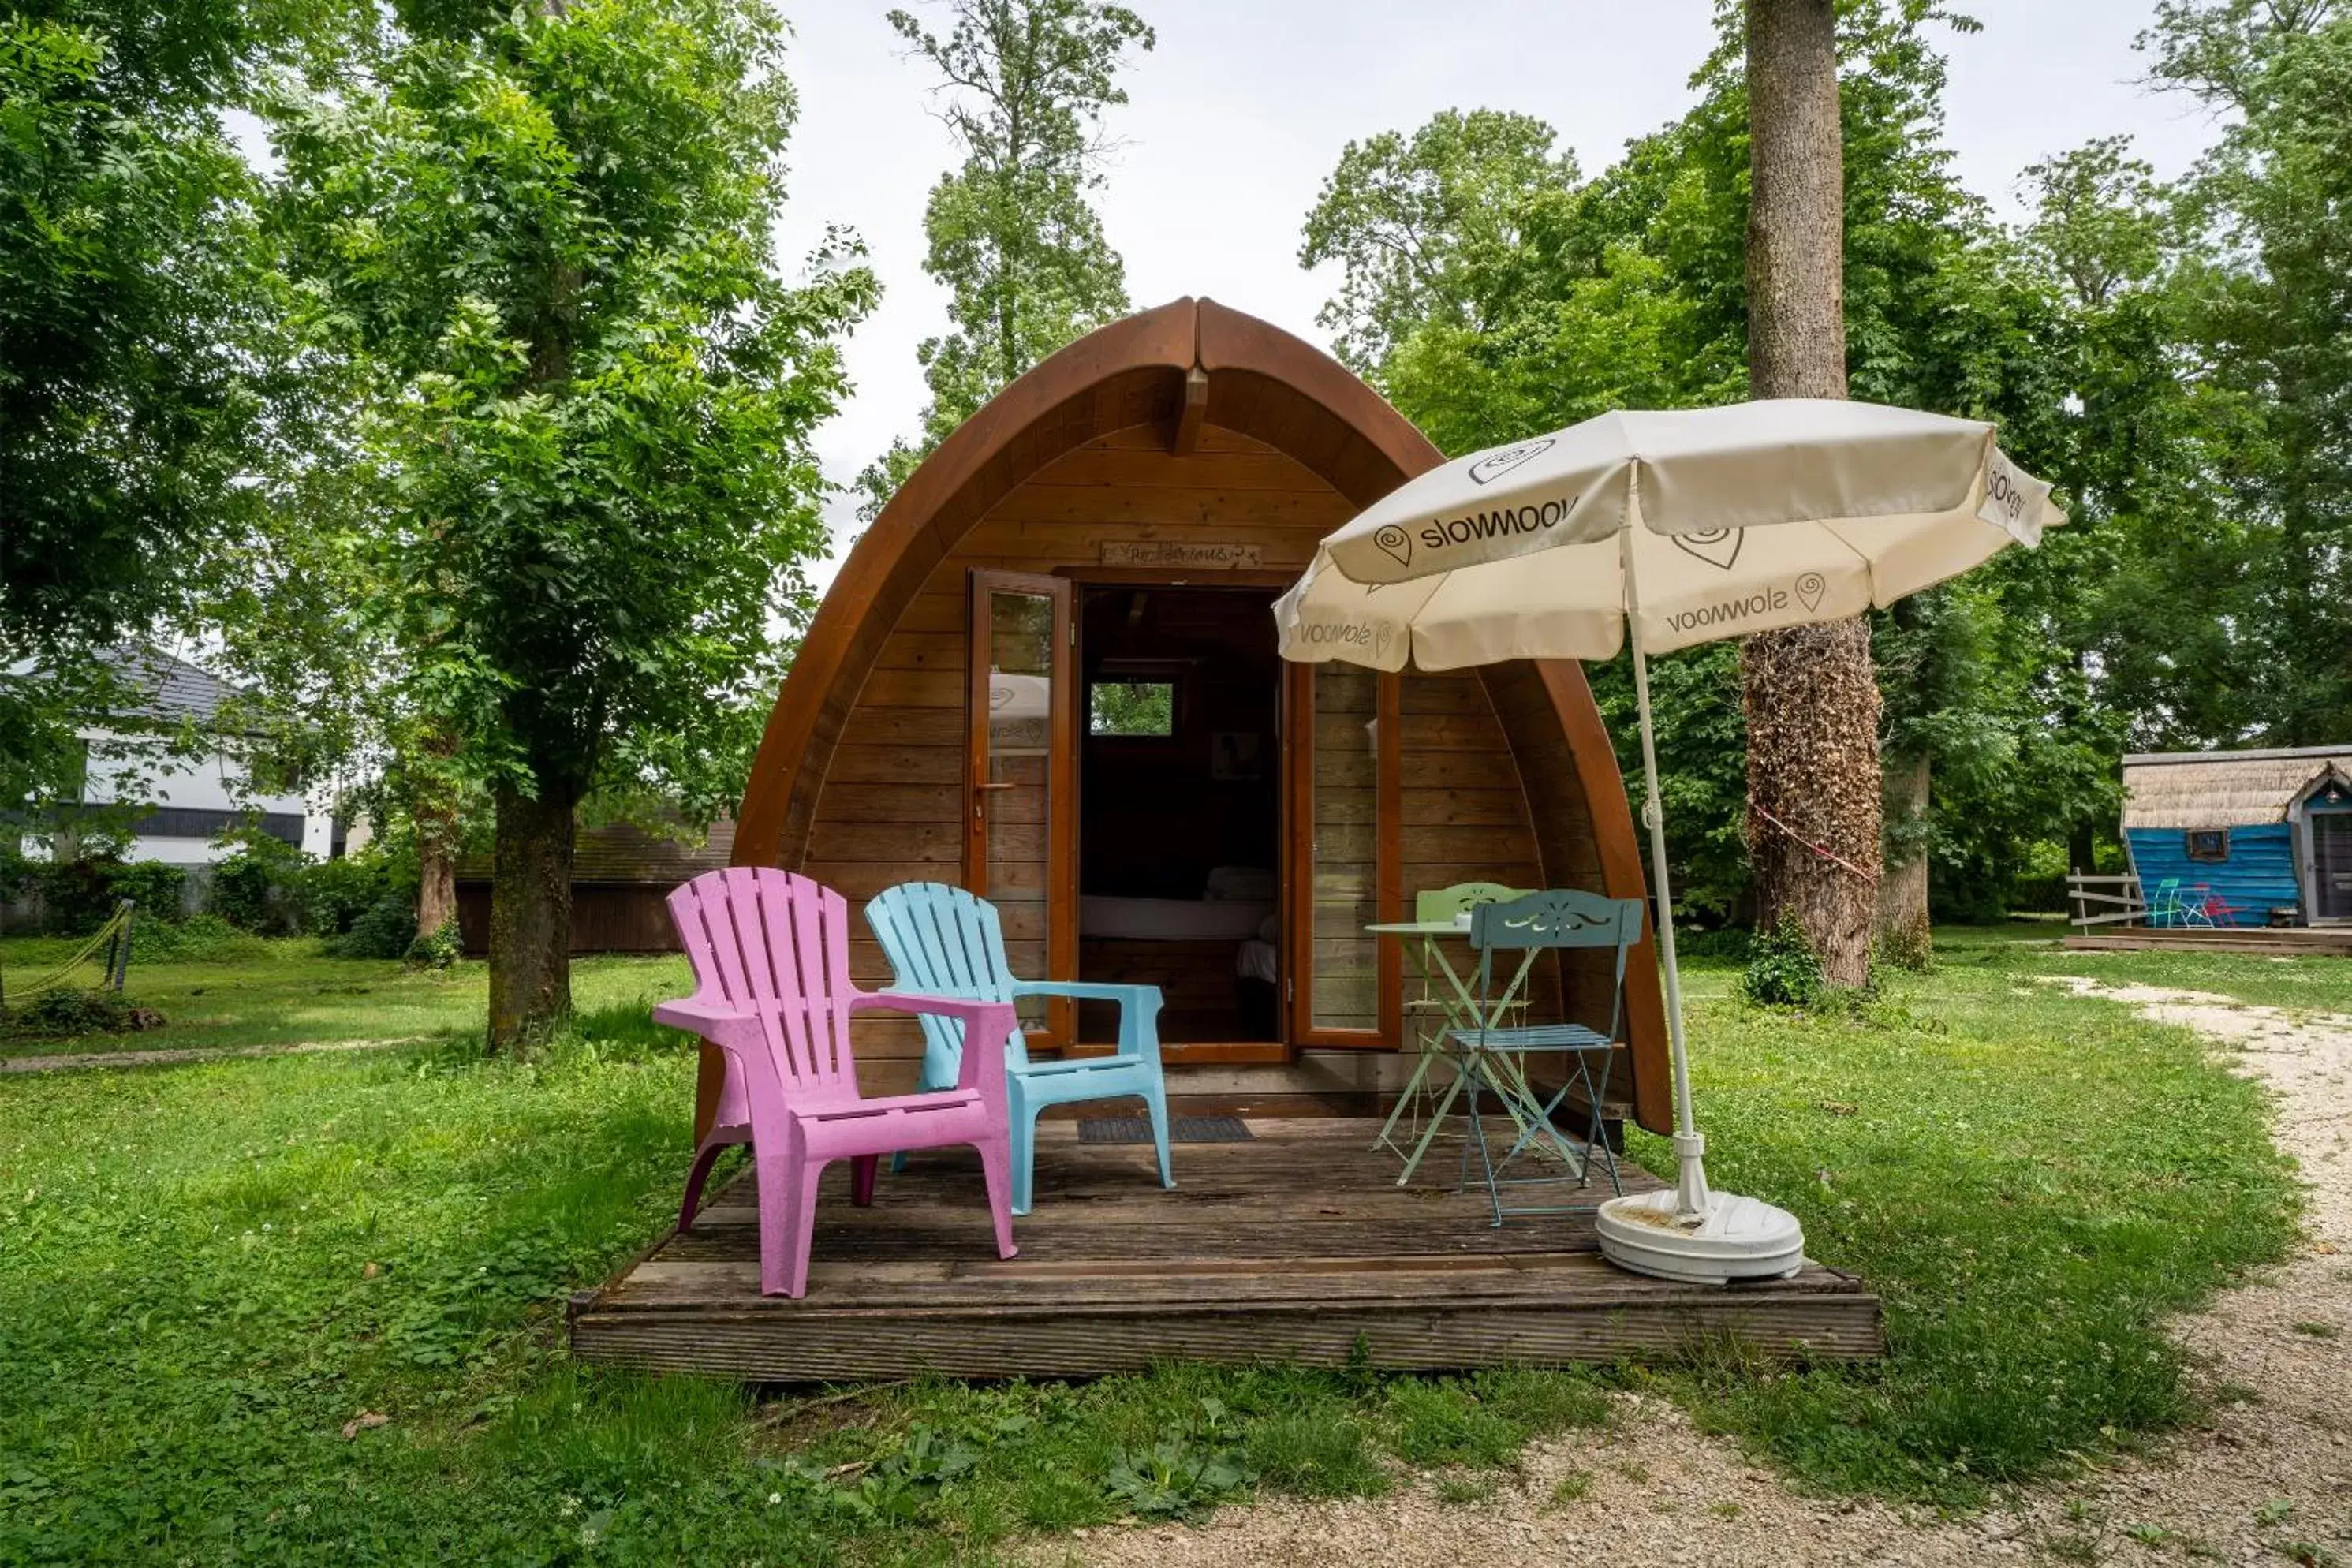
(209, 1273)
(282, 992)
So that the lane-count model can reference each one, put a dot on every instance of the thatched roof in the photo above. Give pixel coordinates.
(2225, 789)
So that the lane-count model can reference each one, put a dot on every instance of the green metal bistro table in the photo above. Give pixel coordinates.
(1461, 1010)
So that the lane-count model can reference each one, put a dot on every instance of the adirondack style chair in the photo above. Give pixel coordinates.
(945, 940)
(770, 951)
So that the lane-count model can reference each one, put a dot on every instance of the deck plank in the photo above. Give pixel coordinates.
(1290, 1246)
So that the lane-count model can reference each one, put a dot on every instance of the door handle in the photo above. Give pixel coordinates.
(981, 788)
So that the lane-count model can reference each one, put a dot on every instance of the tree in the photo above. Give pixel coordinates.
(1811, 701)
(1409, 220)
(1013, 235)
(539, 240)
(133, 313)
(2271, 321)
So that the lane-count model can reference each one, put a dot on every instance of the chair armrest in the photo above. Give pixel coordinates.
(963, 1009)
(1139, 1009)
(717, 1022)
(1087, 990)
(986, 1028)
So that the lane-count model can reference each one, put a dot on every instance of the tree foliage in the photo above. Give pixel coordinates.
(1627, 290)
(134, 314)
(1013, 235)
(541, 242)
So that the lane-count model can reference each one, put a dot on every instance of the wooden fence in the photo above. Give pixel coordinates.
(2104, 900)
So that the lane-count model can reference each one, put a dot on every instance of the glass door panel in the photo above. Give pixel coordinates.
(1018, 850)
(1345, 851)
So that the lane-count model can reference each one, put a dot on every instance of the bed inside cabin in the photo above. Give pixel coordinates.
(1180, 807)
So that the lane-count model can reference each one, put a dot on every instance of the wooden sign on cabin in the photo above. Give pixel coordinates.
(1173, 552)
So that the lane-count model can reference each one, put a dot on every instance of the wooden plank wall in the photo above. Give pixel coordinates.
(1466, 809)
(1562, 820)
(891, 806)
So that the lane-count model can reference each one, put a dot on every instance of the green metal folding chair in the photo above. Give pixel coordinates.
(1431, 1012)
(1495, 1059)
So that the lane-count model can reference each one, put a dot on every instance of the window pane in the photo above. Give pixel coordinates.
(1346, 973)
(1020, 745)
(1131, 708)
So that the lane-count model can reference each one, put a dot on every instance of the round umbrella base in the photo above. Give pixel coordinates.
(1732, 1237)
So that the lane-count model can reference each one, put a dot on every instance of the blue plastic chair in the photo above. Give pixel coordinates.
(945, 941)
(1495, 1058)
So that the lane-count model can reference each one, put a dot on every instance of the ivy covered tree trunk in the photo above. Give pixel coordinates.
(531, 916)
(1905, 933)
(1809, 692)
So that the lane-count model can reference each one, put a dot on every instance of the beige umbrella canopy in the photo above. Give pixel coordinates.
(1698, 524)
(1687, 527)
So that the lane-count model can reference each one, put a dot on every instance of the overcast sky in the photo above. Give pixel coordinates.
(1245, 106)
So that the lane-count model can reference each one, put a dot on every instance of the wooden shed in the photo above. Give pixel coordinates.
(622, 873)
(1048, 672)
(2267, 833)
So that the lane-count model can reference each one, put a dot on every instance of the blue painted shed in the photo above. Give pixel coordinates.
(2252, 837)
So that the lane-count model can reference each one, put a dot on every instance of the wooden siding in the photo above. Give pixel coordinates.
(2258, 877)
(890, 808)
(623, 918)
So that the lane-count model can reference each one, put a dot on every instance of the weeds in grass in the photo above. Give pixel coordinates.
(1572, 1488)
(1462, 1492)
(2072, 1547)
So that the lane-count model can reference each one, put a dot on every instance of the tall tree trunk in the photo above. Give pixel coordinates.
(434, 809)
(531, 916)
(436, 877)
(1905, 933)
(1811, 698)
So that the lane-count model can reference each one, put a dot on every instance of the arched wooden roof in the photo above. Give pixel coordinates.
(1237, 372)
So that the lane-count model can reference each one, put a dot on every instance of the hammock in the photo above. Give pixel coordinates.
(114, 936)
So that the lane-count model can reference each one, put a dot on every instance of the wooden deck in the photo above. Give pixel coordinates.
(2269, 942)
(1288, 1247)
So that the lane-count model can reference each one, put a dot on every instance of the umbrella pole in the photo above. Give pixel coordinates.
(1690, 1145)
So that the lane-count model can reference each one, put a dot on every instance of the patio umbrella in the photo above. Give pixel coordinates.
(1685, 527)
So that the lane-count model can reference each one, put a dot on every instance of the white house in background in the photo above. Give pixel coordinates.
(191, 798)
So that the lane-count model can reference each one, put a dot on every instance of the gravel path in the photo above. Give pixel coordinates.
(2272, 1476)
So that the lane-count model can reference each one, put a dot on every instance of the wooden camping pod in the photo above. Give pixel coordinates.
(1186, 448)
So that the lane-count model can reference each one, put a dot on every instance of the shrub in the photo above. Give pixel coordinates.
(438, 949)
(66, 1014)
(335, 894)
(1733, 943)
(204, 937)
(385, 928)
(80, 895)
(1782, 970)
(153, 887)
(257, 888)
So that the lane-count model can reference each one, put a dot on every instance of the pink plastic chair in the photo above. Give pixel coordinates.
(770, 956)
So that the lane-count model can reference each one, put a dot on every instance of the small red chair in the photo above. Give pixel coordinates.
(770, 956)
(2217, 910)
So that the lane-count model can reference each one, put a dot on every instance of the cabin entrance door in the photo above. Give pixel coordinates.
(1180, 810)
(1020, 773)
(2331, 864)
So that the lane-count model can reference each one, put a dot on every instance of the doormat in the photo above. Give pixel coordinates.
(1181, 1130)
